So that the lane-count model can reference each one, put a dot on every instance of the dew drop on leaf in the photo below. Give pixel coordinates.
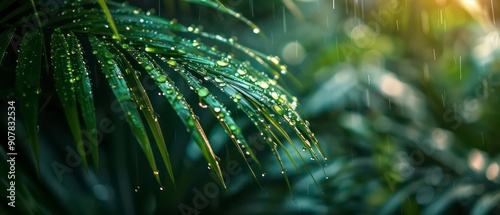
(222, 63)
(172, 63)
(203, 92)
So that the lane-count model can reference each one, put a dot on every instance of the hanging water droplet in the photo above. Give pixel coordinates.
(137, 189)
(303, 149)
(156, 172)
(247, 152)
(217, 109)
(282, 172)
(202, 104)
(326, 177)
(162, 188)
(256, 30)
(312, 158)
(263, 174)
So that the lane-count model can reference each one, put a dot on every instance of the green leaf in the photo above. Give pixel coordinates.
(220, 7)
(83, 90)
(64, 78)
(222, 114)
(121, 91)
(5, 3)
(111, 22)
(28, 86)
(182, 108)
(142, 100)
(5, 38)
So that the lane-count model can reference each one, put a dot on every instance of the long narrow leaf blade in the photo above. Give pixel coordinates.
(178, 102)
(121, 91)
(65, 88)
(142, 100)
(84, 95)
(28, 86)
(5, 38)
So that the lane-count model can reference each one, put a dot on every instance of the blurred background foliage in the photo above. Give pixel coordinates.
(402, 95)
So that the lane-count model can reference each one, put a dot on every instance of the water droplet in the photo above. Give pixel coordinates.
(161, 78)
(162, 188)
(222, 63)
(137, 189)
(242, 71)
(108, 55)
(156, 172)
(247, 152)
(282, 172)
(312, 158)
(217, 109)
(203, 92)
(326, 177)
(303, 149)
(172, 63)
(264, 85)
(278, 109)
(202, 104)
(256, 30)
(263, 174)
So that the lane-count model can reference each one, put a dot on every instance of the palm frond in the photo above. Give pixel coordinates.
(126, 42)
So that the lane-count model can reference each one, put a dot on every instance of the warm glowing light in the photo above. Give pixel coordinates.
(492, 171)
(391, 86)
(476, 161)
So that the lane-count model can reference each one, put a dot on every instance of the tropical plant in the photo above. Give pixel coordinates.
(54, 42)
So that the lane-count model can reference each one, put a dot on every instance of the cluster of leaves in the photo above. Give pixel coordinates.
(129, 43)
